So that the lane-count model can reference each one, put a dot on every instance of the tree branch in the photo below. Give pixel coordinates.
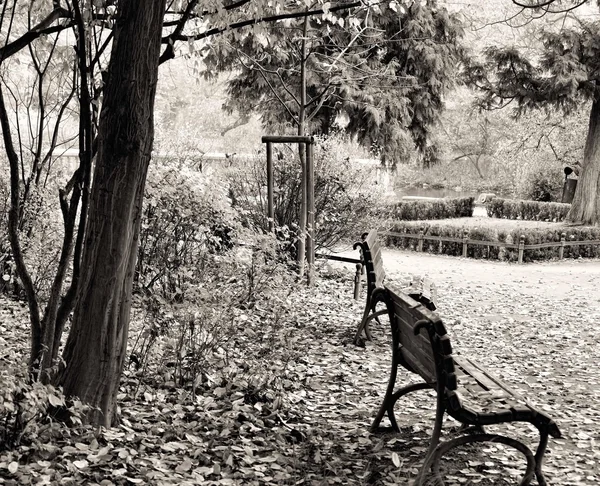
(172, 38)
(42, 28)
(169, 52)
(231, 6)
(13, 234)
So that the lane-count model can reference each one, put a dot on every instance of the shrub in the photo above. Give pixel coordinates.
(437, 209)
(26, 410)
(180, 342)
(5, 252)
(532, 236)
(186, 220)
(540, 182)
(41, 233)
(527, 210)
(345, 197)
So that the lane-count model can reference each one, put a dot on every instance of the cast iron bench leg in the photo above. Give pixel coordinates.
(466, 439)
(435, 438)
(539, 458)
(390, 400)
(364, 323)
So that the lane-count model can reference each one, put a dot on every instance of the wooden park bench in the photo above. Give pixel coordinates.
(465, 390)
(422, 289)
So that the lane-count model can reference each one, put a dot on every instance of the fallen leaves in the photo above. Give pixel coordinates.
(291, 401)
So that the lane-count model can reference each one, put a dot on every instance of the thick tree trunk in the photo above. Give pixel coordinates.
(95, 350)
(585, 208)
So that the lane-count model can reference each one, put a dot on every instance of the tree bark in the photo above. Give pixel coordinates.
(585, 208)
(95, 350)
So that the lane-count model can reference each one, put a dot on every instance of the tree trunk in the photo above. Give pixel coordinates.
(95, 350)
(302, 154)
(585, 208)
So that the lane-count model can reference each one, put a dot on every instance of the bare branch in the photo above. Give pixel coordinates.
(170, 39)
(13, 231)
(42, 28)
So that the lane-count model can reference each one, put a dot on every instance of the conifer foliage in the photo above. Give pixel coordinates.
(563, 75)
(380, 72)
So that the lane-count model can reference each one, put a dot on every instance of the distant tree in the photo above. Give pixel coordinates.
(383, 71)
(564, 75)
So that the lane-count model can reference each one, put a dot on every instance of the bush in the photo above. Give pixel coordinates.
(41, 234)
(345, 198)
(532, 236)
(26, 410)
(441, 209)
(185, 221)
(527, 210)
(180, 342)
(540, 182)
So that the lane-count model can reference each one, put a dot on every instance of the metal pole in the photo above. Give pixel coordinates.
(310, 200)
(270, 208)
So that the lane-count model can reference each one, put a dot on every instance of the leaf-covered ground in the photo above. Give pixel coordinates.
(289, 400)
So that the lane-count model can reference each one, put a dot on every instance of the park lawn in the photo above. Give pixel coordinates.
(290, 399)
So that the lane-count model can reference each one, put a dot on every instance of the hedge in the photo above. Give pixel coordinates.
(532, 236)
(423, 209)
(527, 210)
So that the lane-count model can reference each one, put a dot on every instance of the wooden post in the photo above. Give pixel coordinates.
(359, 270)
(465, 240)
(310, 200)
(301, 256)
(561, 248)
(270, 205)
(420, 243)
(521, 248)
(440, 249)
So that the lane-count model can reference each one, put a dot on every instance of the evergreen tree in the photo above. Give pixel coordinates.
(382, 72)
(563, 76)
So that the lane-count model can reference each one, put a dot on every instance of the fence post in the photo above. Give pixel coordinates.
(465, 239)
(561, 248)
(521, 248)
(440, 249)
(420, 243)
(359, 270)
(270, 188)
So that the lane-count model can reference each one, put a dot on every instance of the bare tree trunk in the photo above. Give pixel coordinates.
(13, 235)
(302, 153)
(95, 350)
(585, 208)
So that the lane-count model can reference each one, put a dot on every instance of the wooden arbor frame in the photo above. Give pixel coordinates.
(308, 191)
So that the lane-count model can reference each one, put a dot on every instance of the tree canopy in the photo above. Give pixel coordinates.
(562, 74)
(381, 73)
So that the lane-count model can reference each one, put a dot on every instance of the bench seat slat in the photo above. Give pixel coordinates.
(484, 396)
(491, 377)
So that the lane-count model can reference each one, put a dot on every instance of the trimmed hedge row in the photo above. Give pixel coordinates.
(527, 210)
(532, 236)
(459, 207)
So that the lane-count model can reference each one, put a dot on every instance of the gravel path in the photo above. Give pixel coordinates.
(536, 327)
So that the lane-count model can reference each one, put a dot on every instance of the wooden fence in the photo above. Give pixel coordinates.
(520, 246)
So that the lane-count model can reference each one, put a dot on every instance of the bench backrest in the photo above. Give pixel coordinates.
(371, 256)
(420, 337)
